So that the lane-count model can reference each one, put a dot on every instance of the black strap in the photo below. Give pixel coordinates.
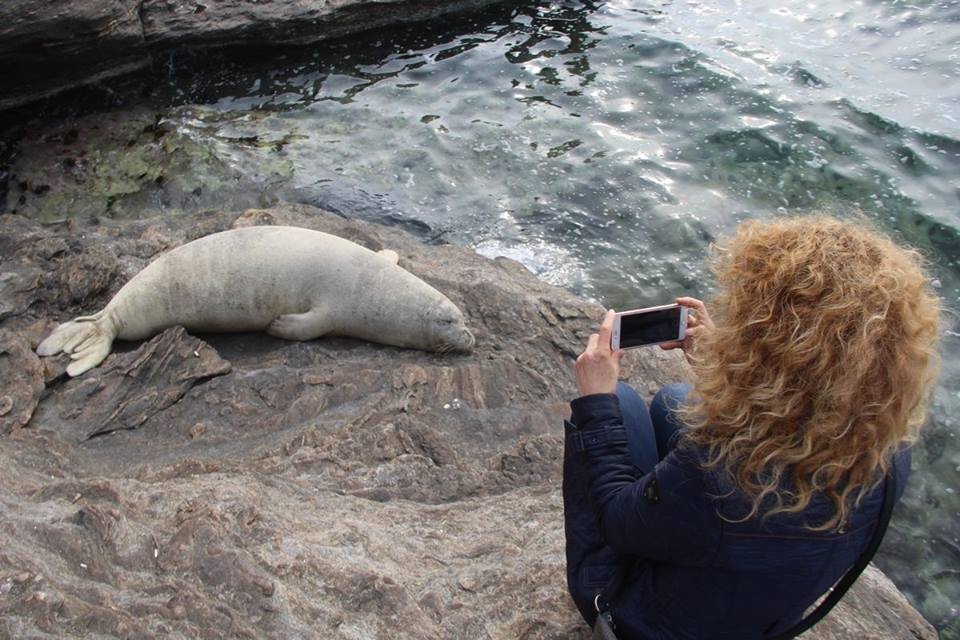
(613, 586)
(854, 572)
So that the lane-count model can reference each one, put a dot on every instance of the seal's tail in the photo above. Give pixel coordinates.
(87, 339)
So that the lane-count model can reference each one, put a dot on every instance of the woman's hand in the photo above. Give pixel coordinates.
(698, 322)
(598, 366)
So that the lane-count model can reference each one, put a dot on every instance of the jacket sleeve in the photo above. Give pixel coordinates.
(665, 515)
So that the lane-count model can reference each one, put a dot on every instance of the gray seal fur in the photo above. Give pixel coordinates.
(295, 283)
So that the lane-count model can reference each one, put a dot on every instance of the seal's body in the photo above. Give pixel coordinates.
(295, 283)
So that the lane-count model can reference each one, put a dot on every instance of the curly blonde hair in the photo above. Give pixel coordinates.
(821, 363)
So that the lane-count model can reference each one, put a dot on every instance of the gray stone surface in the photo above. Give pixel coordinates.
(168, 23)
(21, 381)
(49, 46)
(240, 486)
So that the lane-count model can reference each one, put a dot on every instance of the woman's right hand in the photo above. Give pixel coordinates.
(698, 322)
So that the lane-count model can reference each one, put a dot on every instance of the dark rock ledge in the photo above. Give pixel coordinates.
(48, 46)
(239, 486)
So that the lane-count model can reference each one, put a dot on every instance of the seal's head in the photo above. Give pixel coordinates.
(447, 329)
(393, 306)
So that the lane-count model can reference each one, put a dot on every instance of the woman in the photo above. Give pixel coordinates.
(737, 501)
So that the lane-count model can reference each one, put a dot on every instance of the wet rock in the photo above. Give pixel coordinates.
(101, 165)
(332, 488)
(229, 22)
(47, 47)
(50, 46)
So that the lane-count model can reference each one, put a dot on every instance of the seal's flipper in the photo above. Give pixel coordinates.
(300, 326)
(86, 339)
(89, 357)
(390, 255)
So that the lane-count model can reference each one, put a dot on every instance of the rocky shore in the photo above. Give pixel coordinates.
(240, 486)
(49, 47)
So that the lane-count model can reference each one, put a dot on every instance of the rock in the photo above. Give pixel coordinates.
(131, 388)
(48, 47)
(84, 276)
(224, 22)
(14, 291)
(333, 488)
(873, 608)
(21, 381)
(101, 165)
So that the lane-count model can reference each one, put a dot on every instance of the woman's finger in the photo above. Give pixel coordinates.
(692, 303)
(699, 308)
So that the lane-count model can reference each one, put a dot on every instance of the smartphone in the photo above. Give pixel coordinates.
(652, 325)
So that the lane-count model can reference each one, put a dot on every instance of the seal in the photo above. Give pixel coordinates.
(295, 283)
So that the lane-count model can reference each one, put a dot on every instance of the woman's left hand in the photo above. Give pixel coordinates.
(698, 323)
(598, 366)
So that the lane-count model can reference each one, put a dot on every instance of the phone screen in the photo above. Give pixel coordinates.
(650, 327)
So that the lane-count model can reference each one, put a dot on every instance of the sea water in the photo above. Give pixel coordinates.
(606, 145)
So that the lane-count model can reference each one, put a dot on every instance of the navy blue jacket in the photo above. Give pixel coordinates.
(695, 575)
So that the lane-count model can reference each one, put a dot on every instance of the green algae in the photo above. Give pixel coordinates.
(135, 164)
